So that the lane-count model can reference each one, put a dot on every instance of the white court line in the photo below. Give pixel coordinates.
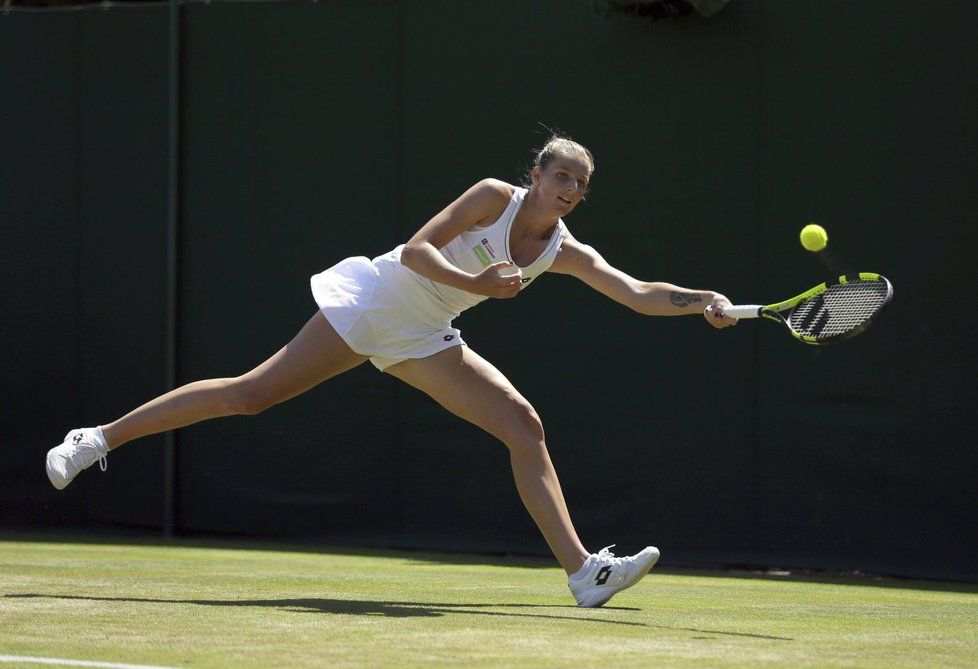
(74, 663)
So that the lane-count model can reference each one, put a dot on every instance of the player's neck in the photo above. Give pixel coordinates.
(530, 220)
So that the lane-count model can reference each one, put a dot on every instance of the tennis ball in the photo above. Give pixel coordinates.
(814, 237)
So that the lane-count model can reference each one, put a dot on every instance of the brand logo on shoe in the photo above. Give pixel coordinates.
(603, 576)
(76, 439)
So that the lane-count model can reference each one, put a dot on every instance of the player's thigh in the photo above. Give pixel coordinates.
(469, 386)
(315, 354)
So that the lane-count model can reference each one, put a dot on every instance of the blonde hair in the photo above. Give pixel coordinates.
(559, 146)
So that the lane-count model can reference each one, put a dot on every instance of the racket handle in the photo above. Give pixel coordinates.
(743, 311)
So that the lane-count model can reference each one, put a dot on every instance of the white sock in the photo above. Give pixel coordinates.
(100, 439)
(580, 572)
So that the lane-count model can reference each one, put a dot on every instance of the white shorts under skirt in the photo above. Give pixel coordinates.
(372, 319)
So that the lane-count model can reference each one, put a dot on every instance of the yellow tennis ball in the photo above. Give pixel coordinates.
(814, 237)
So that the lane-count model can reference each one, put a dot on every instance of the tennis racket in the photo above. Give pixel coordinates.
(830, 312)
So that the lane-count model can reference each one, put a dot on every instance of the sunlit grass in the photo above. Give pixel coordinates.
(196, 605)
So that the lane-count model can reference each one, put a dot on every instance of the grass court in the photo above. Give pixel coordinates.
(207, 604)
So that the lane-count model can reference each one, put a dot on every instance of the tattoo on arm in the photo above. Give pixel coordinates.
(684, 299)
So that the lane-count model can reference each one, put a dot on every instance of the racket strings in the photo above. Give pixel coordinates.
(841, 308)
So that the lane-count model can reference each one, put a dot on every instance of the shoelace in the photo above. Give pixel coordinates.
(607, 554)
(101, 458)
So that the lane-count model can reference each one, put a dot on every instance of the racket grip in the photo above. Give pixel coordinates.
(743, 311)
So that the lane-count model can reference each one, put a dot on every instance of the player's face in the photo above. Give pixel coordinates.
(562, 184)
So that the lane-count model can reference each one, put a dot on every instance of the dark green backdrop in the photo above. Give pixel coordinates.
(314, 131)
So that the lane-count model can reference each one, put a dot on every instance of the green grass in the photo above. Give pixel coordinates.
(196, 605)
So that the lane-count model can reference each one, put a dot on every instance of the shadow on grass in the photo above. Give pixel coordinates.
(354, 607)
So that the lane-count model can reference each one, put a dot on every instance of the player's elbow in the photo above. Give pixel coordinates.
(410, 254)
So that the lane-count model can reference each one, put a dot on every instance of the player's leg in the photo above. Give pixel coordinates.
(315, 354)
(468, 386)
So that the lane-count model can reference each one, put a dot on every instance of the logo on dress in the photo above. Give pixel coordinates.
(481, 255)
(488, 247)
(448, 337)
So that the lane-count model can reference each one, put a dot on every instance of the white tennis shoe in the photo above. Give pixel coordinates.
(80, 449)
(602, 575)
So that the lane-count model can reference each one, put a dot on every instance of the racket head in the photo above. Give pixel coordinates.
(833, 311)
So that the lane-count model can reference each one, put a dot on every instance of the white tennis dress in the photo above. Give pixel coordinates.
(389, 312)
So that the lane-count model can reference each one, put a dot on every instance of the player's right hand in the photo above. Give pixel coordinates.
(714, 313)
(502, 279)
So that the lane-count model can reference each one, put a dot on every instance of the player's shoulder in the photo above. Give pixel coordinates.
(486, 199)
(573, 255)
(495, 189)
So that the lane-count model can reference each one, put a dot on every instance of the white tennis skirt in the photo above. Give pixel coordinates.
(372, 319)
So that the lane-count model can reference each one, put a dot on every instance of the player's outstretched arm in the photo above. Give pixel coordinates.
(655, 298)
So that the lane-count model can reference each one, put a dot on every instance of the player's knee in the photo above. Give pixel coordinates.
(524, 429)
(247, 398)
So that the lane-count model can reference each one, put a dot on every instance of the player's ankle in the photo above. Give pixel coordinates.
(111, 436)
(576, 565)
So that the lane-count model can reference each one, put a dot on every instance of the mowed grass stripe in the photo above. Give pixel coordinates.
(218, 606)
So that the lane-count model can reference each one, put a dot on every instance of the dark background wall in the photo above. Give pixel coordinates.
(314, 131)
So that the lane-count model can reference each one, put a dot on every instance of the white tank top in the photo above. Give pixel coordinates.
(472, 251)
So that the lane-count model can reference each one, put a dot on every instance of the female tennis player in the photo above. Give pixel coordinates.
(397, 311)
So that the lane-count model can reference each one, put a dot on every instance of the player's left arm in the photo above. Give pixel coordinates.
(652, 298)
